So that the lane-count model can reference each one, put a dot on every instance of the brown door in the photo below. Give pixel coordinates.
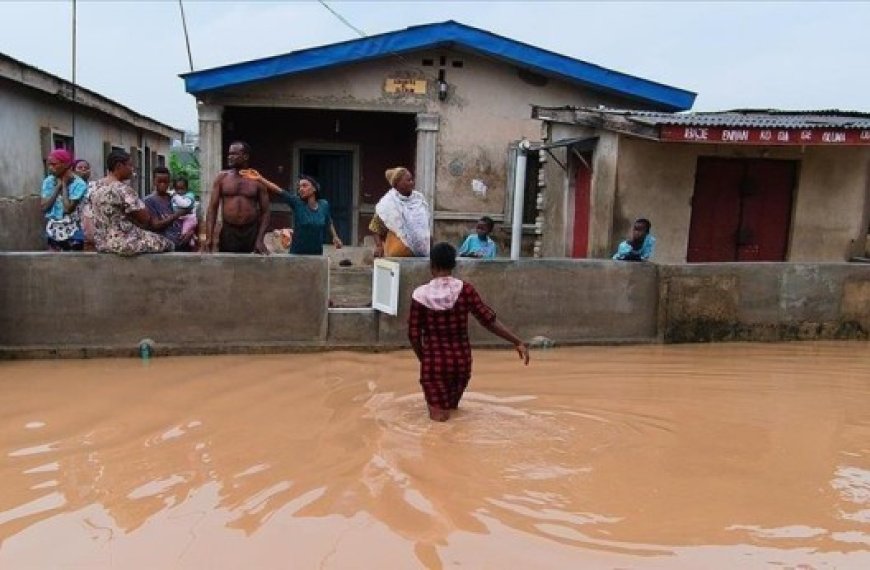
(741, 210)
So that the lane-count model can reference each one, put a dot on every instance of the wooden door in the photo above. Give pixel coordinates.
(765, 213)
(582, 188)
(741, 210)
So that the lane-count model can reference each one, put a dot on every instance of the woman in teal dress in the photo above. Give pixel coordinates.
(312, 217)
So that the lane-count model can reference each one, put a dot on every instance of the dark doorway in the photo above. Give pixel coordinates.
(741, 210)
(333, 169)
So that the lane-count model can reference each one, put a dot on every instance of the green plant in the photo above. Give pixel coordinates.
(186, 164)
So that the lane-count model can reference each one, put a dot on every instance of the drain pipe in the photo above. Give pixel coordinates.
(519, 198)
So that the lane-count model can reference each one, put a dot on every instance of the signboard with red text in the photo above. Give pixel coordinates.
(754, 135)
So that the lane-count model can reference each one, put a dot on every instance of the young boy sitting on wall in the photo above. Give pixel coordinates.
(480, 244)
(640, 247)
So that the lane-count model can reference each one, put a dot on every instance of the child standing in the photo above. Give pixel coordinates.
(480, 244)
(438, 331)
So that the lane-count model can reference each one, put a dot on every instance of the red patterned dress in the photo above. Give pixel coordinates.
(439, 323)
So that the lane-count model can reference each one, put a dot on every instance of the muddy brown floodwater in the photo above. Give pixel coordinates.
(692, 456)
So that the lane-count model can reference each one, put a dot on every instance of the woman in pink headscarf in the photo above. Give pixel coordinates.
(62, 193)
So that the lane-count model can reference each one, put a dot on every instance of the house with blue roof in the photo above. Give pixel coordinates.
(447, 100)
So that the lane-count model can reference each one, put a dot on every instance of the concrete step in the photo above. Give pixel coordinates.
(350, 287)
(358, 256)
(353, 327)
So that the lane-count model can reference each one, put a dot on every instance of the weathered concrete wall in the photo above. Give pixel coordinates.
(90, 304)
(571, 301)
(25, 112)
(764, 301)
(21, 224)
(656, 182)
(91, 301)
(831, 204)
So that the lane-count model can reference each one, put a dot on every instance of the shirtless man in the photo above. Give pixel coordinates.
(244, 207)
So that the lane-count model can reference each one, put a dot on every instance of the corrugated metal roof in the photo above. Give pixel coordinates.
(750, 118)
(443, 34)
(35, 78)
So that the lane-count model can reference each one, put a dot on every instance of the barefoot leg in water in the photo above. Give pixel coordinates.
(438, 414)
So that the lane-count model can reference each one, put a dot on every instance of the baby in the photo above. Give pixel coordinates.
(188, 222)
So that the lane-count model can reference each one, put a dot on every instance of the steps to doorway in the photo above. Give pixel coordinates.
(352, 327)
(350, 286)
(351, 320)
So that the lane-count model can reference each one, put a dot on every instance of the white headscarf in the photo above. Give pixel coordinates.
(408, 218)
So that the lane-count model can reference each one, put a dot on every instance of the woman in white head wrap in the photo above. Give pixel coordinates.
(402, 218)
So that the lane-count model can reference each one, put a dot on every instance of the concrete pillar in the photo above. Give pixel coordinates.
(210, 151)
(427, 145)
(603, 196)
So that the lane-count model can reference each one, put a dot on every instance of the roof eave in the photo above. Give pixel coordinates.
(441, 35)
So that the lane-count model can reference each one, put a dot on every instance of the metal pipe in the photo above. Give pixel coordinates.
(519, 198)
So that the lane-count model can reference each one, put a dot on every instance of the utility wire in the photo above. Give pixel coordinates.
(73, 77)
(186, 37)
(361, 33)
(342, 19)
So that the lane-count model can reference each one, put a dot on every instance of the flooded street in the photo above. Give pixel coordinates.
(689, 456)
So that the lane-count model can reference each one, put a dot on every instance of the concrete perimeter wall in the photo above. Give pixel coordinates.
(764, 301)
(89, 304)
(566, 300)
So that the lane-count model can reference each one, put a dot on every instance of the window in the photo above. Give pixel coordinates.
(60, 140)
(50, 139)
(530, 195)
(137, 181)
(161, 160)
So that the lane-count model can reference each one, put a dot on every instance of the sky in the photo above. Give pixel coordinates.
(784, 55)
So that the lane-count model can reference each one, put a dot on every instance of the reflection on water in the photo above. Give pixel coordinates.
(713, 456)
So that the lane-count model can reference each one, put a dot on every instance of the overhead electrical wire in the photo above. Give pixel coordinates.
(362, 34)
(342, 19)
(73, 133)
(186, 36)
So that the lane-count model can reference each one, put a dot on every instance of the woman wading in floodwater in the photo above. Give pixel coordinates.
(438, 331)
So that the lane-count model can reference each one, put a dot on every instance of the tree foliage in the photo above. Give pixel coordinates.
(186, 164)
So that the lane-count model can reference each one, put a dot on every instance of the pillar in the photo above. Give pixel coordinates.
(424, 169)
(210, 151)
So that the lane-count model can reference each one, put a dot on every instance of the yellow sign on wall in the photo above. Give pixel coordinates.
(406, 86)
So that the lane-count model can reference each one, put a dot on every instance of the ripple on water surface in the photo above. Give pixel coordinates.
(709, 456)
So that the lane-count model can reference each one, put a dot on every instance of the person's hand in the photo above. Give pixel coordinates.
(261, 247)
(250, 173)
(523, 351)
(379, 250)
(206, 246)
(336, 241)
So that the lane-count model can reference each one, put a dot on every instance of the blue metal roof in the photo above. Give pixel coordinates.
(442, 35)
